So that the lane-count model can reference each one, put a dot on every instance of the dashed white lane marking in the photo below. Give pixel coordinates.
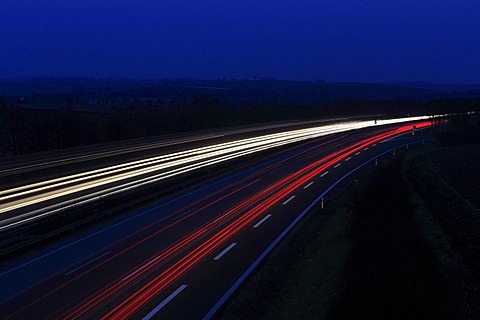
(366, 148)
(221, 254)
(162, 304)
(262, 221)
(277, 240)
(288, 200)
(348, 158)
(184, 214)
(357, 153)
(373, 145)
(89, 262)
(308, 185)
(338, 165)
(324, 174)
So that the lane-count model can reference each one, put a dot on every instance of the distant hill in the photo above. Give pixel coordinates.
(265, 90)
(442, 87)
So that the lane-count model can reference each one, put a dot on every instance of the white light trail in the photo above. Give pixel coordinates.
(71, 190)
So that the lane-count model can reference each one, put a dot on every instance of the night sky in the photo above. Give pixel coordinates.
(335, 40)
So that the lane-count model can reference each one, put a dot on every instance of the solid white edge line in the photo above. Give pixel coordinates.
(221, 254)
(262, 256)
(262, 221)
(308, 185)
(288, 200)
(324, 174)
(156, 207)
(162, 304)
(89, 262)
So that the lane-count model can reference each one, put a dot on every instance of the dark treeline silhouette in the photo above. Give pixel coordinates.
(24, 129)
(463, 129)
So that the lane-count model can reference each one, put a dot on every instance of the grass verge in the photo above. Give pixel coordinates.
(302, 275)
(391, 247)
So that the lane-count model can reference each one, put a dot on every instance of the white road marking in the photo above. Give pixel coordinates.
(118, 224)
(221, 254)
(366, 148)
(338, 165)
(88, 263)
(288, 200)
(308, 185)
(348, 158)
(262, 256)
(324, 174)
(184, 214)
(373, 145)
(357, 153)
(262, 221)
(162, 304)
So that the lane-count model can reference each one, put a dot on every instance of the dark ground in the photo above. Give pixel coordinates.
(391, 247)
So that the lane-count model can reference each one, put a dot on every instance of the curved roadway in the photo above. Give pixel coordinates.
(184, 256)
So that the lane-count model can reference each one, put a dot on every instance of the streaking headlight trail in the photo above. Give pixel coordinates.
(91, 185)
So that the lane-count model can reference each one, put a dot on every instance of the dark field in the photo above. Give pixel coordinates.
(401, 243)
(51, 114)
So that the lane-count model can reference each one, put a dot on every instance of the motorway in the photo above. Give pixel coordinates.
(182, 257)
(25, 203)
(143, 146)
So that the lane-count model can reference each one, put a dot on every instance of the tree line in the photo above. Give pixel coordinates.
(26, 129)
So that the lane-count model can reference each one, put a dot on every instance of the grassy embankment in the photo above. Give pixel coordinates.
(402, 243)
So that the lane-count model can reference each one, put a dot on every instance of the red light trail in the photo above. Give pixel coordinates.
(265, 199)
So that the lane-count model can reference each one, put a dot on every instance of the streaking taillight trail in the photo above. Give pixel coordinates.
(24, 204)
(217, 196)
(255, 206)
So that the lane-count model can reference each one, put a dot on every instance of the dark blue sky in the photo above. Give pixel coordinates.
(335, 40)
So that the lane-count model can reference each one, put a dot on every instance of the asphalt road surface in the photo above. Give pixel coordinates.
(182, 257)
(26, 202)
